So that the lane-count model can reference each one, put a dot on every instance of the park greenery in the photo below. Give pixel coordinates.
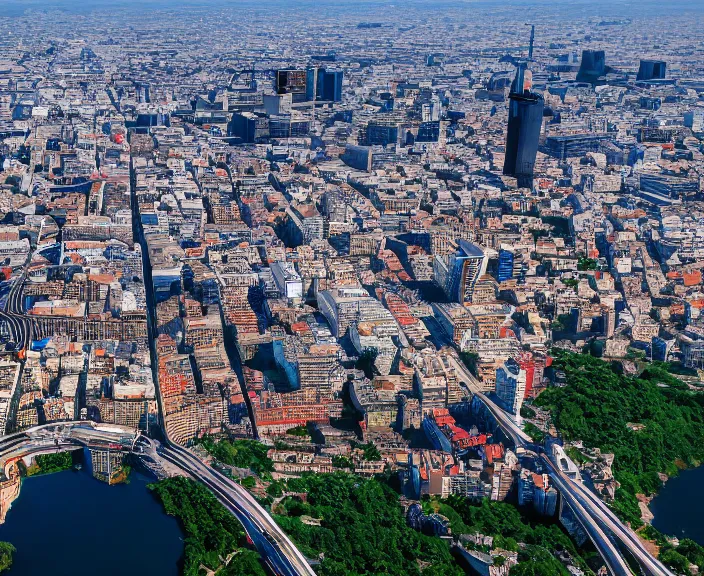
(212, 532)
(356, 526)
(510, 526)
(537, 561)
(584, 264)
(342, 462)
(369, 451)
(249, 482)
(527, 411)
(239, 453)
(676, 368)
(533, 431)
(6, 552)
(361, 528)
(300, 431)
(49, 463)
(652, 422)
(677, 556)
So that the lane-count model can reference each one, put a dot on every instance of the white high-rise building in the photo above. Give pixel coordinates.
(511, 385)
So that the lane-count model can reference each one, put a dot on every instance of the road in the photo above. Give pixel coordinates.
(510, 428)
(607, 518)
(20, 326)
(275, 547)
(596, 517)
(272, 542)
(609, 552)
(282, 557)
(62, 436)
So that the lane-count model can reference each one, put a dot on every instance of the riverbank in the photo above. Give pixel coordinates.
(50, 463)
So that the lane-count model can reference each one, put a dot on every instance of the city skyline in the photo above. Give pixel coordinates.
(379, 287)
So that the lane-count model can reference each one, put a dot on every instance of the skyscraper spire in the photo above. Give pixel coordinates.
(525, 116)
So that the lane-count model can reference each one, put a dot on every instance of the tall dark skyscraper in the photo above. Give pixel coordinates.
(330, 85)
(322, 84)
(652, 70)
(525, 117)
(592, 66)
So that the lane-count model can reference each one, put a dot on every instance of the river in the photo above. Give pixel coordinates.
(70, 524)
(679, 506)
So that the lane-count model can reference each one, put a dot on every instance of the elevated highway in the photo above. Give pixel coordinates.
(276, 548)
(601, 515)
(19, 326)
(282, 555)
(605, 530)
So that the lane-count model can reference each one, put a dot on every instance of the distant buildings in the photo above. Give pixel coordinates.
(592, 67)
(323, 228)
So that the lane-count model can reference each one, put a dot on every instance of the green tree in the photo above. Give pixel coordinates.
(673, 559)
(212, 532)
(50, 463)
(239, 453)
(470, 360)
(537, 561)
(362, 529)
(244, 563)
(600, 406)
(6, 552)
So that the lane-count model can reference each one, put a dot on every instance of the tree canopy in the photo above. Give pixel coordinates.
(6, 552)
(239, 453)
(212, 532)
(362, 530)
(651, 422)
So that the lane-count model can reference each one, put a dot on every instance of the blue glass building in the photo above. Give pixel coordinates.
(505, 271)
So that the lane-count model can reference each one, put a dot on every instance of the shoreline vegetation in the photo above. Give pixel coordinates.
(357, 526)
(121, 475)
(49, 463)
(214, 539)
(652, 422)
(6, 552)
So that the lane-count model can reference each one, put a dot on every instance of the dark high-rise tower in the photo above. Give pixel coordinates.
(525, 117)
(330, 85)
(652, 70)
(592, 66)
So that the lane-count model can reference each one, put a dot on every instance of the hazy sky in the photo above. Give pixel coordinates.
(598, 8)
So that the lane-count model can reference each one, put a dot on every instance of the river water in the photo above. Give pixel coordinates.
(70, 524)
(679, 506)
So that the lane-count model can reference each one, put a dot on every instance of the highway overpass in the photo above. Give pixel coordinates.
(277, 550)
(605, 530)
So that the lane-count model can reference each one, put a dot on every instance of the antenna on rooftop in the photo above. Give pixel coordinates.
(521, 65)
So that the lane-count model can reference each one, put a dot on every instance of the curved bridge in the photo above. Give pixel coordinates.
(281, 555)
